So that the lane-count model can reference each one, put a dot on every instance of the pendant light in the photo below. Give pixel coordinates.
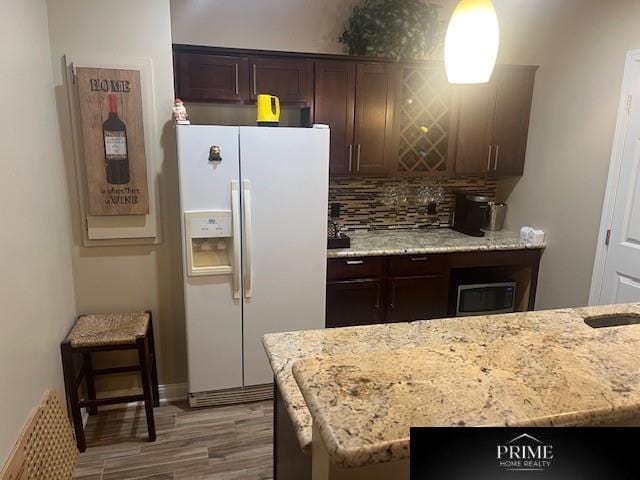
(471, 44)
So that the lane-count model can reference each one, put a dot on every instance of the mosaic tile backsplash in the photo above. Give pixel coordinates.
(400, 202)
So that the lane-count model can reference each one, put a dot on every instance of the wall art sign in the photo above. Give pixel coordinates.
(113, 140)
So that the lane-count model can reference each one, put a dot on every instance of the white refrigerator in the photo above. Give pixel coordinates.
(253, 203)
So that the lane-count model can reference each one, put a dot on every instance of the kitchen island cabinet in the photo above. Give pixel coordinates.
(563, 382)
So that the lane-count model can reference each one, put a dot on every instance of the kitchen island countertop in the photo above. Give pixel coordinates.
(426, 241)
(546, 368)
(365, 386)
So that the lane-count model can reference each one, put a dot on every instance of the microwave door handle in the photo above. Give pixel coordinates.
(235, 221)
(248, 239)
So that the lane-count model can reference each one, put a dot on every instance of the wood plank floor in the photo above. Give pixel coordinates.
(226, 443)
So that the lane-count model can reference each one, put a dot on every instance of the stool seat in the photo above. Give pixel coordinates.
(108, 329)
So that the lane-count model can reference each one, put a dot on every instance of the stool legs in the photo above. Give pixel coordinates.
(154, 366)
(147, 388)
(90, 379)
(145, 346)
(71, 388)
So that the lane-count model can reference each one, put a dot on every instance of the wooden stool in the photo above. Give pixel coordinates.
(108, 332)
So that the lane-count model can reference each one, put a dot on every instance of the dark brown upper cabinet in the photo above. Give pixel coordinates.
(425, 119)
(373, 123)
(335, 106)
(290, 80)
(514, 94)
(386, 117)
(202, 77)
(475, 122)
(356, 100)
(493, 123)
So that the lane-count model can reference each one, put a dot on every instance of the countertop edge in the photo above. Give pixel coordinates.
(398, 449)
(305, 443)
(346, 253)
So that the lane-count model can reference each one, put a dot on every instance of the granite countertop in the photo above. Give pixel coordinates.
(365, 386)
(283, 349)
(415, 242)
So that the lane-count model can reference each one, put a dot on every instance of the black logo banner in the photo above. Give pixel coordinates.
(557, 453)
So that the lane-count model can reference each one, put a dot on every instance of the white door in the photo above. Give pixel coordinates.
(620, 281)
(213, 316)
(285, 188)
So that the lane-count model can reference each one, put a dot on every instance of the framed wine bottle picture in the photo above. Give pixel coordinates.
(113, 141)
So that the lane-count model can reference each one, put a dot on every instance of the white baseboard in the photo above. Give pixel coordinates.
(172, 392)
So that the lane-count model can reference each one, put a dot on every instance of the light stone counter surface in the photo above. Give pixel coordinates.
(416, 242)
(523, 369)
(284, 349)
(515, 342)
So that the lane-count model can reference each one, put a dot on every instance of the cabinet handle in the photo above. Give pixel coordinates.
(393, 296)
(350, 156)
(358, 158)
(489, 158)
(378, 297)
(354, 262)
(237, 79)
(255, 86)
(419, 259)
(495, 165)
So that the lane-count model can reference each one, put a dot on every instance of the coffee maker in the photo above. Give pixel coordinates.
(470, 213)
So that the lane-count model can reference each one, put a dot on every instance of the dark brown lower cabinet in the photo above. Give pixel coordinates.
(405, 288)
(355, 302)
(417, 298)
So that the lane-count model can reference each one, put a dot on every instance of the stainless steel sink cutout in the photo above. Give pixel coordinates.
(617, 320)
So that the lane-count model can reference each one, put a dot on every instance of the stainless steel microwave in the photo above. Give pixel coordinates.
(485, 299)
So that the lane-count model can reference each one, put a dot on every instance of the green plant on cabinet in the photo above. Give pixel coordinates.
(400, 29)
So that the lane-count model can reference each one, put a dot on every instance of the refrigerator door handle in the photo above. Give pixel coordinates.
(246, 205)
(235, 221)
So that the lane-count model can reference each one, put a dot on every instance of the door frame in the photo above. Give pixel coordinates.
(632, 65)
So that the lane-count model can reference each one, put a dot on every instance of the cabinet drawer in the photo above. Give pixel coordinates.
(361, 267)
(419, 264)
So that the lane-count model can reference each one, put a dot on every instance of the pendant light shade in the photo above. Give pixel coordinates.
(472, 41)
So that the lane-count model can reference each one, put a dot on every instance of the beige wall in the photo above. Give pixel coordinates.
(580, 47)
(291, 25)
(572, 125)
(128, 278)
(36, 284)
(314, 26)
(544, 32)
